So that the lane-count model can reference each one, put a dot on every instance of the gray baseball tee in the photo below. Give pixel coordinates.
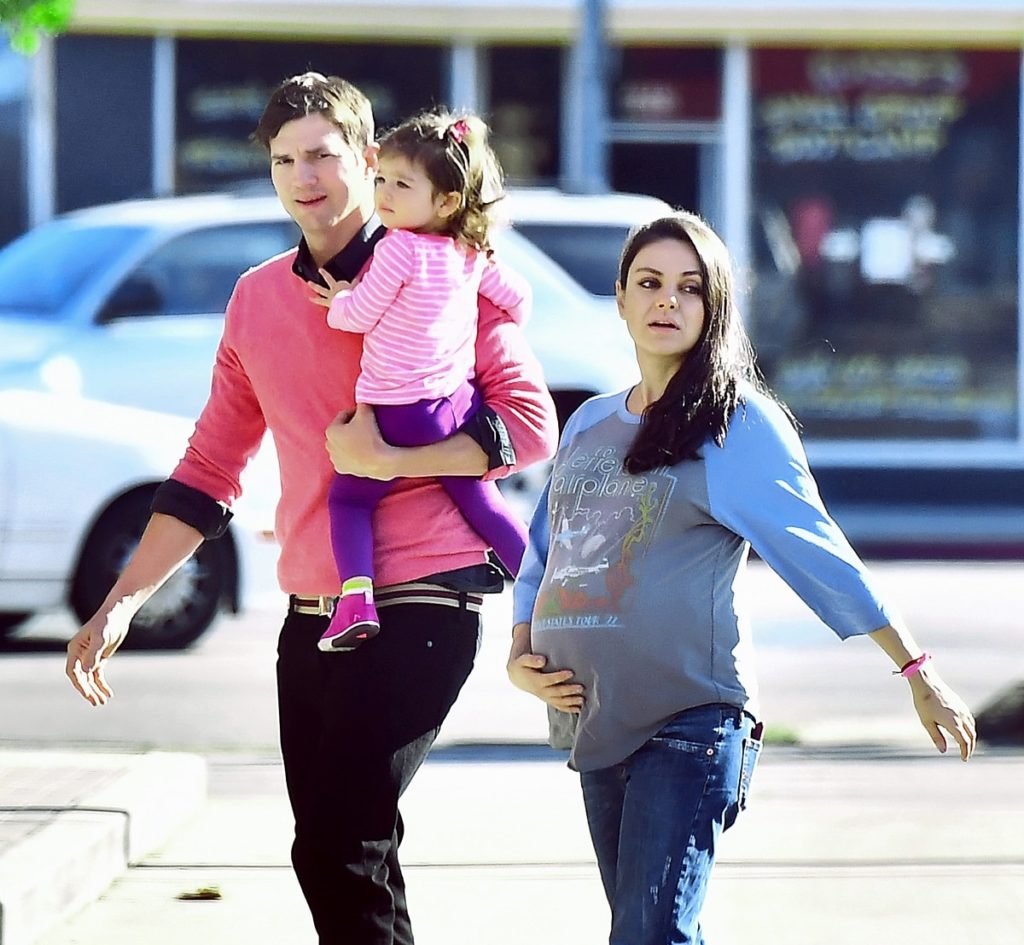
(637, 582)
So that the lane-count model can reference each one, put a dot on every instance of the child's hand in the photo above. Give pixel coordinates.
(334, 286)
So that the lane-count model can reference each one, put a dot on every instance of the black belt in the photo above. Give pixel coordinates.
(412, 593)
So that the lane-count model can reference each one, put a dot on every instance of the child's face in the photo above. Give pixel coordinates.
(405, 197)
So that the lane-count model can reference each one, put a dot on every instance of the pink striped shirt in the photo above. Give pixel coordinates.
(272, 334)
(416, 308)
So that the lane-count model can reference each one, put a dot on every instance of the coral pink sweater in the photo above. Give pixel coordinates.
(279, 367)
(416, 307)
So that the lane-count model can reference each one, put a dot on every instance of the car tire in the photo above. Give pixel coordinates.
(10, 621)
(177, 614)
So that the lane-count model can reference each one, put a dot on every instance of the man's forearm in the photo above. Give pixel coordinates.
(357, 448)
(459, 455)
(165, 545)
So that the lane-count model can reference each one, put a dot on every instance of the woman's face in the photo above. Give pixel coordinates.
(662, 302)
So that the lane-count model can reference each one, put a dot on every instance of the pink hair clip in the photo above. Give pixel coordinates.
(458, 130)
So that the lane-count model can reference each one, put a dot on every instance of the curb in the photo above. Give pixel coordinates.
(70, 824)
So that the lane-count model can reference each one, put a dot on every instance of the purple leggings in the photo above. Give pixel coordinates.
(352, 499)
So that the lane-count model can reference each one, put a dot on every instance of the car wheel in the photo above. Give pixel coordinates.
(177, 614)
(10, 621)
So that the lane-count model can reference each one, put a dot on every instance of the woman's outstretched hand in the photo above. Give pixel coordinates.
(939, 707)
(526, 671)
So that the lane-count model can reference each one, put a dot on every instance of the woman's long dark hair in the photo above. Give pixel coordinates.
(704, 392)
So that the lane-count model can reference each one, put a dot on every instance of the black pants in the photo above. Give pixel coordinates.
(355, 727)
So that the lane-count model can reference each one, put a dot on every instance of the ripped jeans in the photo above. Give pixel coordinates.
(655, 820)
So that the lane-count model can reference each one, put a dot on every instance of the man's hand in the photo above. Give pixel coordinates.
(89, 651)
(356, 447)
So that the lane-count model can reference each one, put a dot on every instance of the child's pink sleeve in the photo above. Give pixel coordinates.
(507, 289)
(360, 308)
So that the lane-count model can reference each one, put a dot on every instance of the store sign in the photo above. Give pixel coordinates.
(224, 85)
(213, 129)
(886, 190)
(867, 107)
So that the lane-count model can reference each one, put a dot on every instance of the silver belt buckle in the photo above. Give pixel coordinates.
(326, 606)
(314, 606)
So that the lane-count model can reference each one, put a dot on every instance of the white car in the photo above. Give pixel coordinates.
(106, 321)
(78, 478)
(122, 304)
(583, 233)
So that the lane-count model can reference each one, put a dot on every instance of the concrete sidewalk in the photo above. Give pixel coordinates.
(71, 823)
(886, 842)
(838, 847)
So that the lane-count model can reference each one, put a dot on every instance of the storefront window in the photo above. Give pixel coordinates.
(667, 84)
(224, 85)
(93, 163)
(14, 76)
(665, 106)
(886, 229)
(524, 85)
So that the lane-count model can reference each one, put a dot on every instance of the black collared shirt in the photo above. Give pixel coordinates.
(347, 264)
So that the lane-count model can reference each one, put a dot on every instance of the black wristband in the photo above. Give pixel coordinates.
(488, 430)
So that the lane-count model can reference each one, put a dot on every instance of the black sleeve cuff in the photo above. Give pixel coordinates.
(207, 516)
(491, 434)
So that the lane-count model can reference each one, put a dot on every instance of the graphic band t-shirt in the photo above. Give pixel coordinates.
(637, 582)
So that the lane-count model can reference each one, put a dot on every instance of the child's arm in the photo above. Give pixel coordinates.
(507, 289)
(361, 306)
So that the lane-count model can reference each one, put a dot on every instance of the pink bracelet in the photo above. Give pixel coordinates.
(914, 666)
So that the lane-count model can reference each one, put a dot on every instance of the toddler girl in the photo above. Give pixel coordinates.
(416, 307)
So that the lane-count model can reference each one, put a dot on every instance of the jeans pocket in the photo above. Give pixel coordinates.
(748, 762)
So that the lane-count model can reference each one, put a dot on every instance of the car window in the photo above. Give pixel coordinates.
(44, 268)
(553, 290)
(588, 252)
(194, 273)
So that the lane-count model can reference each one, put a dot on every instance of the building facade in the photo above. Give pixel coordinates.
(862, 159)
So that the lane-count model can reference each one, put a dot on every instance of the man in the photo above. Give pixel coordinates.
(354, 726)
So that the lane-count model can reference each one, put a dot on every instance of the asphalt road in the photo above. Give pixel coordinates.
(218, 697)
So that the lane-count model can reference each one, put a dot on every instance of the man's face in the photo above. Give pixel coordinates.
(319, 179)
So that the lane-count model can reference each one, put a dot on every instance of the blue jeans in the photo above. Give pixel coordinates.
(655, 820)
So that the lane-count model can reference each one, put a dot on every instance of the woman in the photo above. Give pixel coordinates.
(630, 612)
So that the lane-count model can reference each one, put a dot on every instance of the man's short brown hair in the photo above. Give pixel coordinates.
(312, 93)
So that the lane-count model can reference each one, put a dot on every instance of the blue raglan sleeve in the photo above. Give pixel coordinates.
(760, 487)
(535, 557)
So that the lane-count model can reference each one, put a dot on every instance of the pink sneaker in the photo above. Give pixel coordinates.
(353, 622)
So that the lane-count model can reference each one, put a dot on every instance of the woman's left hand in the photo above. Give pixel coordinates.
(356, 447)
(939, 707)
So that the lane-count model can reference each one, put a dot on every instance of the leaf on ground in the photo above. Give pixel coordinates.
(202, 894)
